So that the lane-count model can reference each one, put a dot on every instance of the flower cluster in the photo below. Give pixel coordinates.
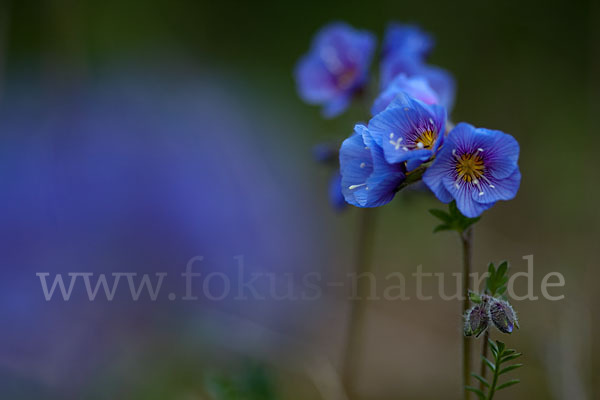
(490, 311)
(490, 307)
(408, 137)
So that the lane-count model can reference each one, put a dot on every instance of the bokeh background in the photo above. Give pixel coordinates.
(136, 135)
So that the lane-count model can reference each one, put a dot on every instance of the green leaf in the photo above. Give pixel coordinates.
(442, 227)
(453, 209)
(480, 379)
(488, 363)
(453, 219)
(510, 357)
(501, 346)
(474, 297)
(507, 384)
(493, 348)
(442, 215)
(502, 268)
(467, 222)
(501, 354)
(510, 368)
(496, 281)
(508, 352)
(478, 392)
(491, 270)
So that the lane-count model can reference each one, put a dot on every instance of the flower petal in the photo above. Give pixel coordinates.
(356, 165)
(494, 189)
(407, 39)
(368, 180)
(465, 203)
(438, 79)
(315, 84)
(397, 127)
(501, 160)
(434, 175)
(416, 87)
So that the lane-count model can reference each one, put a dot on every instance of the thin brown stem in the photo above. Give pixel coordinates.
(364, 250)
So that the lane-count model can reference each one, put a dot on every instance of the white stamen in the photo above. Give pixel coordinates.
(405, 148)
(454, 152)
(396, 143)
(362, 165)
(420, 145)
(475, 181)
(392, 135)
(456, 185)
(480, 149)
(481, 193)
(352, 187)
(493, 187)
(431, 120)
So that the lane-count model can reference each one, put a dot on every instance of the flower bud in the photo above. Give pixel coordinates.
(476, 320)
(502, 315)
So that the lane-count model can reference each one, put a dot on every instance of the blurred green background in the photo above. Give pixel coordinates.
(526, 68)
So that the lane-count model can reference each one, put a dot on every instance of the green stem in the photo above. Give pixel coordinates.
(466, 239)
(495, 381)
(414, 176)
(364, 248)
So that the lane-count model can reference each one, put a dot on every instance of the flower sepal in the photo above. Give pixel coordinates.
(453, 220)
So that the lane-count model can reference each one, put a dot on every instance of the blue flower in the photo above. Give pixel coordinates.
(409, 40)
(335, 68)
(409, 130)
(438, 79)
(336, 197)
(476, 167)
(416, 87)
(368, 180)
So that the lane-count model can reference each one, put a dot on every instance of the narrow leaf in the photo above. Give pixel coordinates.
(478, 392)
(467, 222)
(501, 346)
(507, 384)
(453, 209)
(510, 368)
(441, 228)
(480, 379)
(442, 215)
(488, 363)
(491, 270)
(502, 268)
(510, 357)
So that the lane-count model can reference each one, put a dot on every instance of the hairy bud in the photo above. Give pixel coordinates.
(502, 315)
(476, 320)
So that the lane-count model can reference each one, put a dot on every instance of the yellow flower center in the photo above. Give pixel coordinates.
(470, 167)
(426, 140)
